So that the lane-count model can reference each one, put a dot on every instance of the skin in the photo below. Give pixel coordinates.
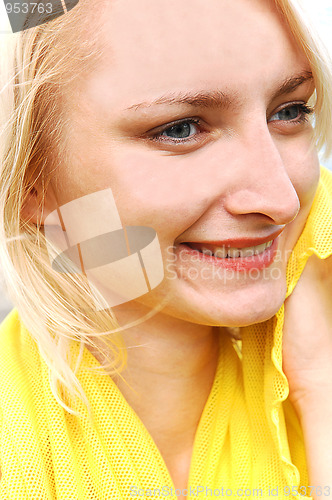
(307, 366)
(248, 174)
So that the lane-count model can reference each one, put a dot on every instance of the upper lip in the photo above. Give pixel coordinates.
(238, 242)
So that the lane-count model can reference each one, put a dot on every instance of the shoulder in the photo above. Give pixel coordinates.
(319, 221)
(22, 376)
(20, 361)
(325, 183)
(319, 224)
(319, 265)
(10, 325)
(24, 436)
(315, 241)
(14, 338)
(10, 332)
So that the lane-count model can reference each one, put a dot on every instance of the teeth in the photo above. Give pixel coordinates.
(260, 248)
(221, 253)
(233, 253)
(206, 251)
(248, 252)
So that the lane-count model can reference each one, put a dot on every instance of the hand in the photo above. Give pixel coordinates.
(307, 336)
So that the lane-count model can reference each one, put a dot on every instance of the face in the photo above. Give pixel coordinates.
(233, 167)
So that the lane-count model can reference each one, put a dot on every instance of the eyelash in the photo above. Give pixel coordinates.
(304, 110)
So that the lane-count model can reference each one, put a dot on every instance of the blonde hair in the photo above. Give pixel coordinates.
(37, 64)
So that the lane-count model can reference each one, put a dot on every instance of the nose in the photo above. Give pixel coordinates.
(262, 184)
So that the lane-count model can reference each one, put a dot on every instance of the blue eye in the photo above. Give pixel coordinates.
(296, 113)
(179, 132)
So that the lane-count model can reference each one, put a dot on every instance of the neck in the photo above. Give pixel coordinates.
(169, 374)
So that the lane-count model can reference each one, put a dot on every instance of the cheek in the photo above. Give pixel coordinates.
(148, 191)
(155, 191)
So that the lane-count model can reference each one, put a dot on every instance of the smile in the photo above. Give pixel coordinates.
(229, 252)
(239, 259)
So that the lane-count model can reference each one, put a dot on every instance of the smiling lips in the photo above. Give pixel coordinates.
(242, 254)
(229, 252)
(239, 248)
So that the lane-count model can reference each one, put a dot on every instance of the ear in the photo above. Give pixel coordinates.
(38, 204)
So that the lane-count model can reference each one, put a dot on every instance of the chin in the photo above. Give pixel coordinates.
(257, 307)
(243, 308)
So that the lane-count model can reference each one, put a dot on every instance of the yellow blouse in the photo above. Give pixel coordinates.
(248, 443)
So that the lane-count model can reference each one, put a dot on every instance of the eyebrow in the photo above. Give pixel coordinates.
(217, 98)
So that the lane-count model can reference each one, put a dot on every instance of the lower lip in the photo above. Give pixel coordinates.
(185, 253)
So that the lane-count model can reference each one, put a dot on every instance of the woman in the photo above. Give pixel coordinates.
(193, 123)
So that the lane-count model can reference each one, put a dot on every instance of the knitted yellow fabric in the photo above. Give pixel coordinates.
(248, 436)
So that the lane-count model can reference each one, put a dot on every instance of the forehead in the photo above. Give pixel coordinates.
(150, 47)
